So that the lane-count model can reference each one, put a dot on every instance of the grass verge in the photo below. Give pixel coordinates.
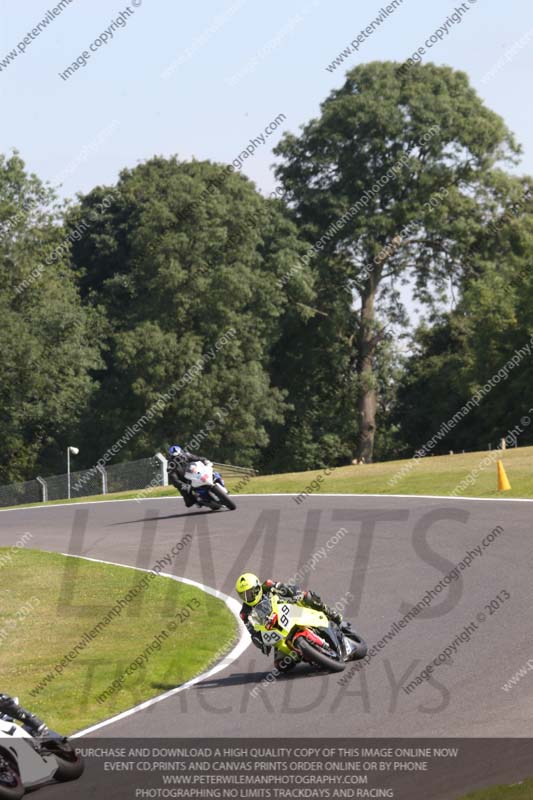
(51, 601)
(517, 791)
(435, 475)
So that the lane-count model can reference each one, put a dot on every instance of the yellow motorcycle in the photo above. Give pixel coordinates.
(303, 634)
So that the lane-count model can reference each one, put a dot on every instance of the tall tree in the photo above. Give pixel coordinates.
(177, 254)
(48, 342)
(395, 180)
(487, 337)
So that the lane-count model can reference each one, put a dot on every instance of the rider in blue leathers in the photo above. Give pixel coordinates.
(176, 469)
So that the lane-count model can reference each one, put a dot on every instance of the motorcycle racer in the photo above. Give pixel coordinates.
(176, 469)
(251, 591)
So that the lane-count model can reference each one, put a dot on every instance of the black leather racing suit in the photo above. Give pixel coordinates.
(176, 469)
(294, 593)
(12, 709)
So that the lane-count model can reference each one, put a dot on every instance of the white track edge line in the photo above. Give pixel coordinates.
(242, 645)
(282, 494)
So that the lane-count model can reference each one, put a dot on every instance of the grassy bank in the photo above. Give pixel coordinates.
(439, 475)
(51, 601)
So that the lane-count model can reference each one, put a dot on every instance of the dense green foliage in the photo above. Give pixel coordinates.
(48, 340)
(395, 179)
(462, 350)
(183, 254)
(279, 322)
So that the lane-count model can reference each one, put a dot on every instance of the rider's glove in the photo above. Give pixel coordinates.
(35, 725)
(287, 590)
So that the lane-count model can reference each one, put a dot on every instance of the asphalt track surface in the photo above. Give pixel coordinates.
(394, 550)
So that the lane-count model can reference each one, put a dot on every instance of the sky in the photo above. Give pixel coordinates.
(203, 79)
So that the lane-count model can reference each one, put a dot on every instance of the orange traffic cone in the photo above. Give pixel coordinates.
(503, 480)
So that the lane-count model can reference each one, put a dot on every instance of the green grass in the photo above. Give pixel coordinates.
(517, 791)
(438, 475)
(40, 622)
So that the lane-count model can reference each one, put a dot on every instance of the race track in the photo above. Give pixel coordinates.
(392, 551)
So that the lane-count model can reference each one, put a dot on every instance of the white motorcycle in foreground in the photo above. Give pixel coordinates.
(28, 761)
(208, 486)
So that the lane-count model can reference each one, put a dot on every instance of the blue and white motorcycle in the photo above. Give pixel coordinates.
(208, 486)
(29, 760)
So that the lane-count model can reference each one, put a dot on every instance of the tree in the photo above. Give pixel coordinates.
(47, 340)
(481, 346)
(396, 179)
(432, 387)
(177, 254)
(312, 362)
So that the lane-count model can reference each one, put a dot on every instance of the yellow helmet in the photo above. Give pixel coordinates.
(249, 588)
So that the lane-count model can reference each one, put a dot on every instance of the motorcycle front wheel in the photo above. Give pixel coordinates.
(223, 497)
(69, 764)
(11, 787)
(315, 655)
(361, 647)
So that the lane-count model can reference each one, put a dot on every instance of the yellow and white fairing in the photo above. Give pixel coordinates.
(275, 619)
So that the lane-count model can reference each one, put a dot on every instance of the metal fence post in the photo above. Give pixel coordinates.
(164, 474)
(143, 474)
(103, 473)
(44, 489)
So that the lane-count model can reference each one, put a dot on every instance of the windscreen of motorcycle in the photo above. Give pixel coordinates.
(263, 609)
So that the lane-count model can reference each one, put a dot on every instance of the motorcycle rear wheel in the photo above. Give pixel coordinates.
(68, 770)
(315, 655)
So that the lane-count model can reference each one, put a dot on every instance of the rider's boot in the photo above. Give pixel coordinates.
(187, 494)
(313, 600)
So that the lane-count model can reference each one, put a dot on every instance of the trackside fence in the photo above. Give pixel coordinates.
(142, 474)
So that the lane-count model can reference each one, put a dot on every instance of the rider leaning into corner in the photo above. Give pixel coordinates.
(176, 469)
(251, 591)
(9, 706)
